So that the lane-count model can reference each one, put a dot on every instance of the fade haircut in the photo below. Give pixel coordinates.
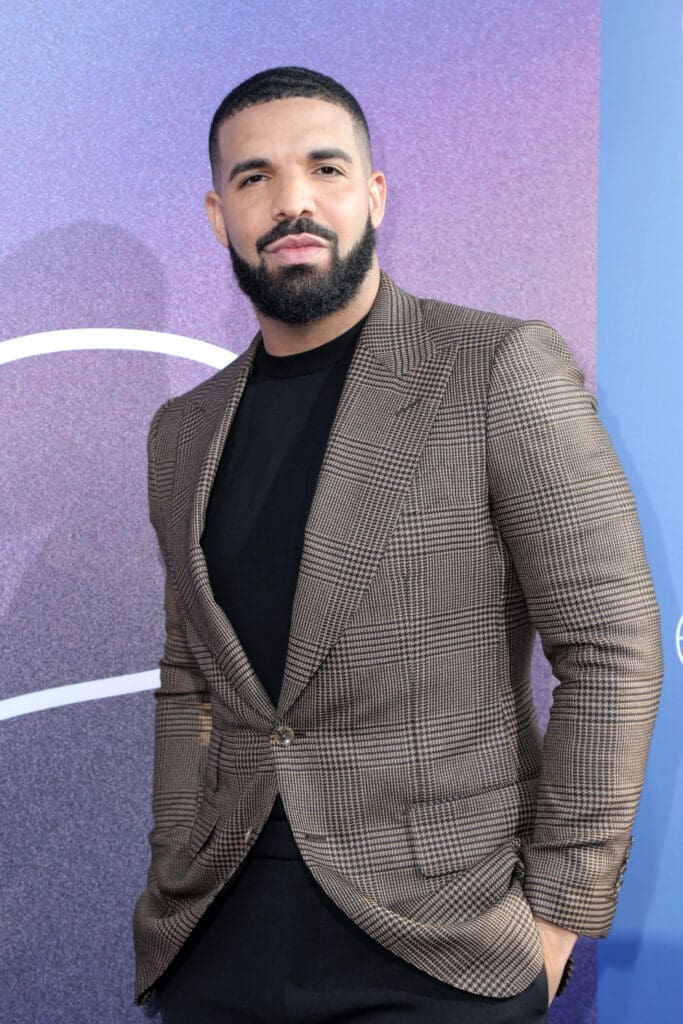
(280, 84)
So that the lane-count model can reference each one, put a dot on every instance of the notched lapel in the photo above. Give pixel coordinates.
(391, 395)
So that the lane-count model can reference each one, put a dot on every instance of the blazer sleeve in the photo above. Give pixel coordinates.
(182, 723)
(568, 518)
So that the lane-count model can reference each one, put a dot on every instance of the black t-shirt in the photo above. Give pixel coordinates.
(262, 494)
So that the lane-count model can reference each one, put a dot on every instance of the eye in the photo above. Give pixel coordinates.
(251, 179)
(328, 170)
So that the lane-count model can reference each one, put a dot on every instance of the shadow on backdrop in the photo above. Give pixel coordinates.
(84, 274)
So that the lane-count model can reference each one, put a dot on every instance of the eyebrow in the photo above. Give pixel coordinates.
(330, 154)
(259, 163)
(254, 163)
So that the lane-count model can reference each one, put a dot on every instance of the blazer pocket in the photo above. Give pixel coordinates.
(455, 834)
(202, 828)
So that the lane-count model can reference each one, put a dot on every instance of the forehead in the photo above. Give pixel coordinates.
(294, 125)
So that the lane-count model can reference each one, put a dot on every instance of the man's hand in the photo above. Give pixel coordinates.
(557, 945)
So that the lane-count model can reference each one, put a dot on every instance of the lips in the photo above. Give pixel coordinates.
(296, 242)
(297, 249)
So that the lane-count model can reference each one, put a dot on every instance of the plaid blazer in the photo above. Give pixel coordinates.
(468, 496)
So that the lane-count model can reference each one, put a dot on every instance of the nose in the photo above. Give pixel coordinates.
(294, 198)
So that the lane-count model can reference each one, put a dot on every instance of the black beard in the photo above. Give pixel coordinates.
(301, 293)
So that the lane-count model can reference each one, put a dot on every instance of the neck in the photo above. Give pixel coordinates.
(280, 339)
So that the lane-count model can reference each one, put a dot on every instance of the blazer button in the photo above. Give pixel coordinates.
(283, 735)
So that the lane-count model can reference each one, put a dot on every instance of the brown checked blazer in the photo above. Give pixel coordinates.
(468, 497)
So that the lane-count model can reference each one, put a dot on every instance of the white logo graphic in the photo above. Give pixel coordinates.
(679, 639)
(114, 338)
(78, 341)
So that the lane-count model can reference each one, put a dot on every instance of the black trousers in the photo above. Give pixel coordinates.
(274, 949)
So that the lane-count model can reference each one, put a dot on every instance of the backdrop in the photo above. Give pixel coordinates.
(498, 141)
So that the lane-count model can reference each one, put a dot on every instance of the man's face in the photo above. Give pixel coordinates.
(297, 206)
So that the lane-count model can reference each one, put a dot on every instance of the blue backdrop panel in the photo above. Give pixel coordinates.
(640, 329)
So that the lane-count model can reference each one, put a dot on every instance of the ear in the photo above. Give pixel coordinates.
(377, 188)
(214, 211)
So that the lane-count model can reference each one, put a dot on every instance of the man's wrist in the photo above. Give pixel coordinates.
(558, 937)
(557, 943)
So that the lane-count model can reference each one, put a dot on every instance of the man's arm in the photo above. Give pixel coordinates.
(568, 518)
(183, 711)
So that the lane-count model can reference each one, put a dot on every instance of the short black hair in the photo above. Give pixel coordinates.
(280, 84)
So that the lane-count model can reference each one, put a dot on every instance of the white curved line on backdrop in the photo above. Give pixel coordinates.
(76, 693)
(79, 340)
(83, 338)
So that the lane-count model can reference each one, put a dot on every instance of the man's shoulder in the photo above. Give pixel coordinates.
(505, 348)
(497, 336)
(450, 325)
(470, 324)
(210, 393)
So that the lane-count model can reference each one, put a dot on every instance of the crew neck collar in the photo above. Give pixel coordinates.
(310, 360)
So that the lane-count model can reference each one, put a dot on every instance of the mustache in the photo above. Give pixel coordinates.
(302, 226)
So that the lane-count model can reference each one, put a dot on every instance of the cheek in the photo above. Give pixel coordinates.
(242, 235)
(351, 216)
(244, 223)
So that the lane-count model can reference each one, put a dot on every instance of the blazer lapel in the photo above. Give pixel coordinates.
(205, 427)
(392, 392)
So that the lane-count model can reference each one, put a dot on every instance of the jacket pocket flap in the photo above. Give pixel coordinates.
(454, 834)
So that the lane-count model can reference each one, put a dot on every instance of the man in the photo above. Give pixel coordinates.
(364, 518)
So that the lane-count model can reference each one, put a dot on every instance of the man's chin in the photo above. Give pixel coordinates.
(298, 271)
(293, 281)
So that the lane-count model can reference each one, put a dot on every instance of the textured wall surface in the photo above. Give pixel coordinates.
(485, 119)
